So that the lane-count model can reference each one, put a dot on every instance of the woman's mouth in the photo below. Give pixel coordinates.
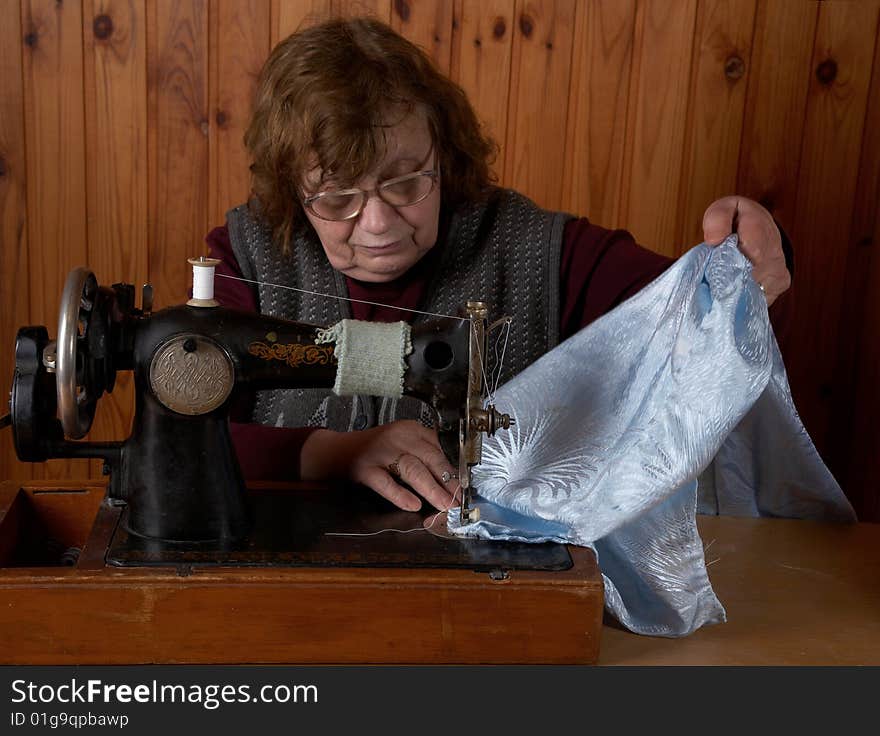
(381, 247)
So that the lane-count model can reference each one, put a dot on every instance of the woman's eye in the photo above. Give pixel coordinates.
(335, 206)
(407, 190)
(337, 200)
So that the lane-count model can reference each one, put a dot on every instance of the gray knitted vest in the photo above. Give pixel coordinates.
(504, 251)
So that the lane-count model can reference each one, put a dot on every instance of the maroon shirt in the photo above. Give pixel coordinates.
(599, 269)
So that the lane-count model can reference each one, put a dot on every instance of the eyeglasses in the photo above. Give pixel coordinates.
(346, 204)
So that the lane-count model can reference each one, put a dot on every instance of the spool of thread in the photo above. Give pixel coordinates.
(203, 282)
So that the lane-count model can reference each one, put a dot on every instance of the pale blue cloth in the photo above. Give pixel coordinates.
(615, 426)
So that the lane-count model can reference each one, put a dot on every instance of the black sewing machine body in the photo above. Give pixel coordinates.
(177, 471)
(178, 537)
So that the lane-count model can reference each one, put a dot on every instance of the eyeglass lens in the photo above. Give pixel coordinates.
(398, 192)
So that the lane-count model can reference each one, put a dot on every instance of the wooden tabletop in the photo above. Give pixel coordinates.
(796, 593)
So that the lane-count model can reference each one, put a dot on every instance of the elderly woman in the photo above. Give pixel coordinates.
(372, 182)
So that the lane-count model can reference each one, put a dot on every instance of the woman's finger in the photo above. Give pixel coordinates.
(435, 459)
(759, 238)
(718, 220)
(418, 476)
(380, 480)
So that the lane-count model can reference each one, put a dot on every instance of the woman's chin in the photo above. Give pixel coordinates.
(379, 273)
(382, 267)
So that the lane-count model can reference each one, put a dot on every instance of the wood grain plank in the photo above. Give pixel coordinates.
(15, 298)
(722, 50)
(855, 433)
(770, 149)
(114, 35)
(836, 107)
(56, 164)
(534, 152)
(428, 24)
(482, 43)
(601, 67)
(336, 622)
(289, 15)
(177, 35)
(380, 9)
(664, 36)
(239, 46)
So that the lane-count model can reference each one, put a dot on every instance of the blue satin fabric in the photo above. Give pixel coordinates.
(677, 401)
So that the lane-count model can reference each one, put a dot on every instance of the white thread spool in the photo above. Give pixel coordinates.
(203, 282)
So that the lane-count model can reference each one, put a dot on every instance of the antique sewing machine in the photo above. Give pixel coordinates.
(176, 513)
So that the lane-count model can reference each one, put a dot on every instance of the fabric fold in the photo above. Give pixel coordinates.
(614, 427)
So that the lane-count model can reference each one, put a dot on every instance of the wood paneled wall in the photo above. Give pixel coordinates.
(121, 125)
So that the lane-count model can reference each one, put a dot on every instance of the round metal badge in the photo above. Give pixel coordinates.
(191, 374)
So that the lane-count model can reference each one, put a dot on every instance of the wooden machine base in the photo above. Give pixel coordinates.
(61, 603)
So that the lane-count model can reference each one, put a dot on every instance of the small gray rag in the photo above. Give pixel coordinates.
(371, 355)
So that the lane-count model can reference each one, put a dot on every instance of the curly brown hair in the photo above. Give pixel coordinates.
(323, 97)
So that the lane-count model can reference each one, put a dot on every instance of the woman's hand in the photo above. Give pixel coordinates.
(759, 240)
(384, 458)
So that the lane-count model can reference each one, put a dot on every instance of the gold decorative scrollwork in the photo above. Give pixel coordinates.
(295, 354)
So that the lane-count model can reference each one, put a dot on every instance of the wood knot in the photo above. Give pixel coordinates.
(499, 28)
(102, 26)
(865, 242)
(30, 39)
(477, 42)
(221, 119)
(2, 166)
(826, 72)
(401, 7)
(767, 202)
(734, 67)
(526, 25)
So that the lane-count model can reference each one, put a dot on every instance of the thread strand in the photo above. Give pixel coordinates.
(336, 296)
(422, 528)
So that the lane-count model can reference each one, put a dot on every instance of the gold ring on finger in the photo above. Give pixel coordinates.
(393, 468)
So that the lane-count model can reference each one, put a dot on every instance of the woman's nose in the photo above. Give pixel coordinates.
(377, 216)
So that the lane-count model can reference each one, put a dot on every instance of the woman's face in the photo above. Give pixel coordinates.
(383, 242)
